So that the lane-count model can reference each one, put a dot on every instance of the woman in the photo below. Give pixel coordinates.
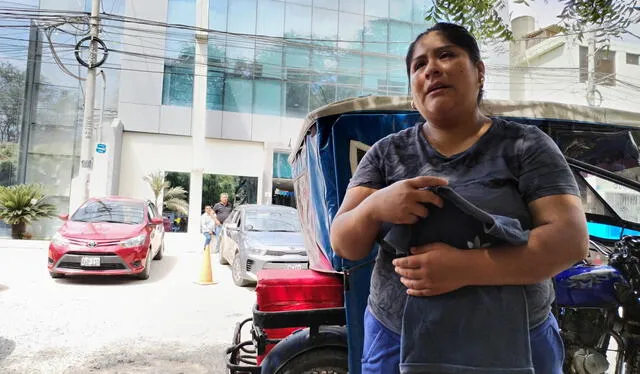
(502, 167)
(208, 225)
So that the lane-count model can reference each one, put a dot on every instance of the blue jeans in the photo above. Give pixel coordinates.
(207, 238)
(381, 350)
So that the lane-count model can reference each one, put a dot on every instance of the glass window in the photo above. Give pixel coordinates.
(377, 8)
(325, 25)
(349, 76)
(352, 6)
(401, 10)
(218, 15)
(324, 61)
(182, 12)
(177, 87)
(419, 11)
(297, 21)
(177, 83)
(270, 18)
(281, 166)
(272, 220)
(322, 91)
(268, 97)
(398, 82)
(242, 16)
(296, 57)
(297, 94)
(374, 80)
(301, 2)
(350, 30)
(328, 4)
(238, 94)
(268, 61)
(622, 200)
(400, 34)
(240, 57)
(110, 211)
(215, 89)
(375, 35)
(215, 75)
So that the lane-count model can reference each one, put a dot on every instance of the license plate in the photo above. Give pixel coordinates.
(90, 261)
(296, 266)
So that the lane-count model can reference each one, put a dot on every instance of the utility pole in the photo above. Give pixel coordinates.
(86, 148)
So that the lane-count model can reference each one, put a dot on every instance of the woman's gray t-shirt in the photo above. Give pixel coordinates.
(510, 166)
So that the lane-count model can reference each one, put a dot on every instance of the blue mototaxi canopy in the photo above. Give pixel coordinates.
(331, 142)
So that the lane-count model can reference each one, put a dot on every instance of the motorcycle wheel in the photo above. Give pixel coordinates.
(633, 363)
(318, 361)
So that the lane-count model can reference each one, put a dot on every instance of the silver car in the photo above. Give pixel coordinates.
(256, 237)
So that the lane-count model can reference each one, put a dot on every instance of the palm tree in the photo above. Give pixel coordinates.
(173, 198)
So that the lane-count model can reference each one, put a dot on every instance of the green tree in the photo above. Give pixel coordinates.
(215, 184)
(173, 198)
(607, 18)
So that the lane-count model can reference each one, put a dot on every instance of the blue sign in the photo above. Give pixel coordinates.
(101, 148)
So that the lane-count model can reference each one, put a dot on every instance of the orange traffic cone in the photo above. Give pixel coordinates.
(206, 275)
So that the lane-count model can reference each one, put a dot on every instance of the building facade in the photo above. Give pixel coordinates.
(549, 64)
(267, 64)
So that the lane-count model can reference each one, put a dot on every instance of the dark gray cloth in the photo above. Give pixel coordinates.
(222, 211)
(431, 326)
(510, 166)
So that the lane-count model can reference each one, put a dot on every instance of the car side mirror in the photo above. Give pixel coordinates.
(232, 227)
(64, 217)
(156, 221)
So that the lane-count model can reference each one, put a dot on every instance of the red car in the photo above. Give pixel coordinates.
(108, 236)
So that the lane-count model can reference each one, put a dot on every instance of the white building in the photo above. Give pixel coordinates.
(548, 64)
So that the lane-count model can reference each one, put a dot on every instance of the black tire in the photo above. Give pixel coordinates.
(329, 360)
(633, 362)
(56, 275)
(147, 268)
(160, 253)
(236, 272)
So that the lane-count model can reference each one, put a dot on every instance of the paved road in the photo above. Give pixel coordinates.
(166, 324)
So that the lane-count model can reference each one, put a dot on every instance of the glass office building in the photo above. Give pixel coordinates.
(286, 58)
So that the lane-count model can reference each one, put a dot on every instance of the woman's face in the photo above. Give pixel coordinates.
(444, 80)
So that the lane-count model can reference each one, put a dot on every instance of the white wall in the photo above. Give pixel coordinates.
(146, 153)
(559, 80)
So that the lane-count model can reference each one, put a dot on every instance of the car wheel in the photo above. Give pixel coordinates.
(56, 275)
(160, 253)
(236, 272)
(147, 267)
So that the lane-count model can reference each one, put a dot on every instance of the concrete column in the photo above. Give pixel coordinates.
(198, 116)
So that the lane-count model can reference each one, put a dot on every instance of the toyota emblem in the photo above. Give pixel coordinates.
(91, 244)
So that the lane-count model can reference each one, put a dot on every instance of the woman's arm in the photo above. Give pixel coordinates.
(558, 240)
(354, 229)
(363, 210)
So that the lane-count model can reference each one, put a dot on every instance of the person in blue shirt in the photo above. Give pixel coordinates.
(502, 167)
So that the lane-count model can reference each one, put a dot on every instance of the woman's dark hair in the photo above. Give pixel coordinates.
(455, 34)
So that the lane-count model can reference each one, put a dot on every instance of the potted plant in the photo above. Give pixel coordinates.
(22, 204)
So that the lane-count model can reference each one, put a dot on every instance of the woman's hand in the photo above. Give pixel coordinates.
(404, 202)
(432, 269)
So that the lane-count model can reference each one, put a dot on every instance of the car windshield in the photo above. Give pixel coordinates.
(110, 211)
(282, 221)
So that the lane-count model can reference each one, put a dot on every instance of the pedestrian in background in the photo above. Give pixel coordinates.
(208, 225)
(222, 210)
